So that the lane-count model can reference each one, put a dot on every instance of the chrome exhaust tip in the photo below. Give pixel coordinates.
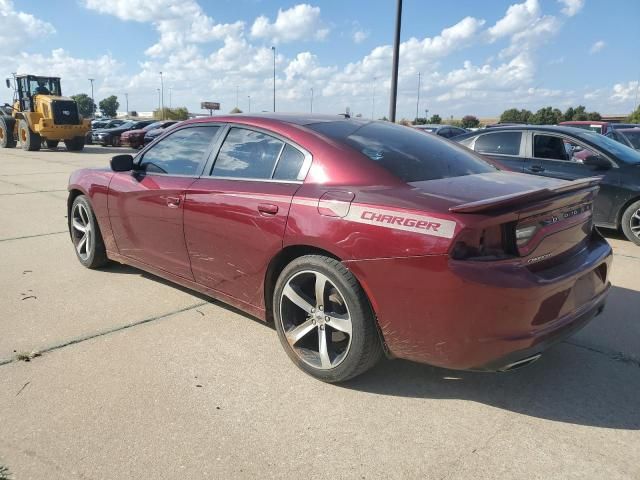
(520, 363)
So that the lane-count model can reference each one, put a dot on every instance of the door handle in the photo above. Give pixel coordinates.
(267, 208)
(536, 169)
(173, 202)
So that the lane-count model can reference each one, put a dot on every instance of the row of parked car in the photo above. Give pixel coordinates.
(130, 133)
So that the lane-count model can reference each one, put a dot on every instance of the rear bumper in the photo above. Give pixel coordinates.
(482, 316)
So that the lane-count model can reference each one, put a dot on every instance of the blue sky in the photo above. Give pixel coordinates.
(474, 57)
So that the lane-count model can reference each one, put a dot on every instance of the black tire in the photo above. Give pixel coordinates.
(7, 138)
(95, 255)
(51, 144)
(115, 141)
(29, 140)
(631, 222)
(364, 348)
(76, 144)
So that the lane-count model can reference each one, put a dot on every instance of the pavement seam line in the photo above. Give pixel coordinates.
(35, 191)
(32, 236)
(610, 354)
(103, 333)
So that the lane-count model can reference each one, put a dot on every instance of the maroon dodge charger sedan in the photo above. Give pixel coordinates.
(356, 238)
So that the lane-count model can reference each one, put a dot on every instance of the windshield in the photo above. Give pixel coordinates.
(44, 85)
(126, 125)
(634, 138)
(405, 152)
(619, 151)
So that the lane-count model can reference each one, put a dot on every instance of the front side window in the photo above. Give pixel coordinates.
(181, 153)
(247, 154)
(499, 143)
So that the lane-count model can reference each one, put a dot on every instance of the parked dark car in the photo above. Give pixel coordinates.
(135, 138)
(627, 136)
(101, 125)
(111, 136)
(354, 238)
(571, 153)
(151, 135)
(446, 131)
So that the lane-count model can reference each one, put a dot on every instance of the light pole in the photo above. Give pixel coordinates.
(426, 114)
(311, 99)
(161, 97)
(274, 78)
(249, 109)
(418, 99)
(159, 109)
(126, 96)
(93, 102)
(170, 91)
(396, 59)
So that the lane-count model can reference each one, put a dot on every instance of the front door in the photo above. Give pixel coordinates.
(146, 206)
(235, 217)
(558, 156)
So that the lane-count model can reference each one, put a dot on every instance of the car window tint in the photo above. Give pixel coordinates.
(247, 154)
(181, 153)
(576, 153)
(550, 147)
(634, 138)
(501, 143)
(405, 152)
(289, 164)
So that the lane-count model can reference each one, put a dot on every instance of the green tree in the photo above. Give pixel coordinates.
(513, 115)
(547, 116)
(86, 107)
(420, 121)
(580, 113)
(635, 116)
(568, 114)
(469, 121)
(179, 113)
(436, 119)
(235, 110)
(594, 116)
(109, 106)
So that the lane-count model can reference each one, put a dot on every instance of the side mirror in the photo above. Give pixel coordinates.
(598, 162)
(122, 163)
(8, 83)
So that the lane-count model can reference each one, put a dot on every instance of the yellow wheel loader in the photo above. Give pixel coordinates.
(40, 115)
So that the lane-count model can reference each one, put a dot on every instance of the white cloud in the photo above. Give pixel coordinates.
(625, 92)
(597, 47)
(17, 27)
(517, 19)
(178, 22)
(360, 36)
(300, 22)
(571, 7)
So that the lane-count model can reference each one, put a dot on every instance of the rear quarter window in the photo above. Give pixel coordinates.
(499, 143)
(405, 152)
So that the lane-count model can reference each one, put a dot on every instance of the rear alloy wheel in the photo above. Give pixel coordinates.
(85, 234)
(75, 144)
(115, 141)
(7, 139)
(631, 222)
(324, 320)
(51, 144)
(29, 140)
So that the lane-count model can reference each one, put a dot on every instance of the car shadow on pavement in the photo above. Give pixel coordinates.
(585, 380)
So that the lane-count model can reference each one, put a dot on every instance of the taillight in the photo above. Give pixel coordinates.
(491, 243)
(524, 234)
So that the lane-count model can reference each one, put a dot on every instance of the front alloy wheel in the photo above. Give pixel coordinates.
(324, 319)
(631, 222)
(85, 234)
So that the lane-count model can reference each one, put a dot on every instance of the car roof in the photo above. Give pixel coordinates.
(293, 118)
(584, 122)
(538, 128)
(628, 129)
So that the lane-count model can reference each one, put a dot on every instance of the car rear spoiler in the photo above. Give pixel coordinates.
(525, 197)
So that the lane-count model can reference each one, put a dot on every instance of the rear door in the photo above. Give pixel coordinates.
(146, 205)
(236, 214)
(505, 148)
(559, 156)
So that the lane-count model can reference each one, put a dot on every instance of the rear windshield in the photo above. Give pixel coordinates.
(405, 152)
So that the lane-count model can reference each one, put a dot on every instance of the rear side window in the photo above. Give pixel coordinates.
(405, 152)
(500, 143)
(181, 153)
(247, 154)
(289, 165)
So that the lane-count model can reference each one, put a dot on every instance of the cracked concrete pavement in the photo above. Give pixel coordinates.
(139, 378)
